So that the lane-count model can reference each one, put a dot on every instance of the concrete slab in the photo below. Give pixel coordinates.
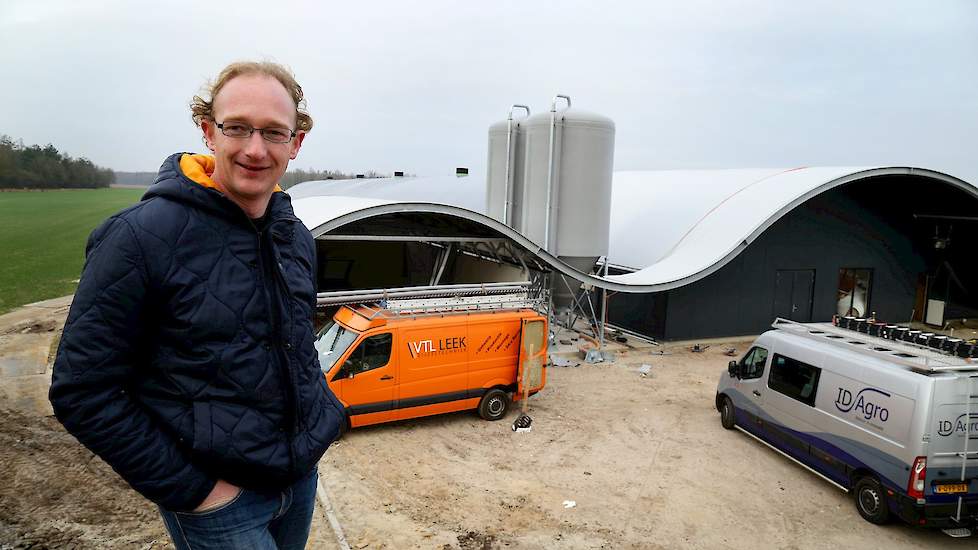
(30, 311)
(28, 336)
(23, 354)
(27, 393)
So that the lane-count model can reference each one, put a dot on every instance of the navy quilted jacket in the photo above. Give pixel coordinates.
(188, 351)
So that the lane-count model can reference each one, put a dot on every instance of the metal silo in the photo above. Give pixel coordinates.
(566, 204)
(504, 186)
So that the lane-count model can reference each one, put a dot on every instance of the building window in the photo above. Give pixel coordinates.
(793, 378)
(853, 296)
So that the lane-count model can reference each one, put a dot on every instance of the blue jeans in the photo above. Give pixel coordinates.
(258, 520)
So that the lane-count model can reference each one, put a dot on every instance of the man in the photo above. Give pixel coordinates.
(187, 361)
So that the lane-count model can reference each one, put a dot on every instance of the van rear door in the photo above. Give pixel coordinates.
(953, 432)
(533, 356)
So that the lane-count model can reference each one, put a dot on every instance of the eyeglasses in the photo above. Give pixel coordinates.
(242, 130)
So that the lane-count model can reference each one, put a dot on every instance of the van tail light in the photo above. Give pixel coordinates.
(918, 473)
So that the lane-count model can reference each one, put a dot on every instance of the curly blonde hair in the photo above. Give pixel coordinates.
(203, 109)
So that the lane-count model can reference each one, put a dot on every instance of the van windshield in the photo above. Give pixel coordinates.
(332, 342)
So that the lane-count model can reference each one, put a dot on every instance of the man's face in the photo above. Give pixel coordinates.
(249, 168)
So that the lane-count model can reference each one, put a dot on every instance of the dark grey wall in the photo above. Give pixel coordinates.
(867, 224)
(642, 313)
(825, 234)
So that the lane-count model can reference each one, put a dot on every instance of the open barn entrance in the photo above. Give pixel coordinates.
(414, 249)
(940, 224)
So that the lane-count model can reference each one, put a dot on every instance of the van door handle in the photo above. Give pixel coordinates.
(387, 377)
(757, 393)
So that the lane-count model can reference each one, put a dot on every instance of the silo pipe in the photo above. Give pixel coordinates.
(509, 158)
(550, 169)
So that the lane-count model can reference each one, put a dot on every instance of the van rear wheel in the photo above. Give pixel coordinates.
(493, 405)
(871, 501)
(726, 413)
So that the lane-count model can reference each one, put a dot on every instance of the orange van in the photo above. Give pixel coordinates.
(388, 366)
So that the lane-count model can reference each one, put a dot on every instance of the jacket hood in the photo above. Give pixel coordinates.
(186, 178)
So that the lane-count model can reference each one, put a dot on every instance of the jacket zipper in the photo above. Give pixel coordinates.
(277, 268)
(284, 369)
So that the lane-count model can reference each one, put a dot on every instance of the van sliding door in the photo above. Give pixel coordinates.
(533, 356)
(434, 369)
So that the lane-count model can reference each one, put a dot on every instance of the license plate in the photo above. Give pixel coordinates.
(952, 488)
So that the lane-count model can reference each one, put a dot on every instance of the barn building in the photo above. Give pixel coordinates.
(691, 254)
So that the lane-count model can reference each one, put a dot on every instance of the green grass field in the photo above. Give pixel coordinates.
(43, 236)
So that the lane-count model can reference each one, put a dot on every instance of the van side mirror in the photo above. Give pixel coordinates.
(734, 369)
(343, 372)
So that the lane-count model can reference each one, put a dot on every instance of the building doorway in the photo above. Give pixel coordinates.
(793, 293)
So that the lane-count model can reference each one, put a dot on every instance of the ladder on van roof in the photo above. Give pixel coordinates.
(437, 300)
(970, 393)
(913, 356)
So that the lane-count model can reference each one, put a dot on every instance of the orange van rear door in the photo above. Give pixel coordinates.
(533, 356)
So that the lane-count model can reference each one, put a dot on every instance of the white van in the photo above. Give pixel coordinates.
(893, 422)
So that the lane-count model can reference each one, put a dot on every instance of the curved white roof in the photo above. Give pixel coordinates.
(468, 192)
(671, 227)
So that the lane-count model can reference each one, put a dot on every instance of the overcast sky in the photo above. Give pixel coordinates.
(414, 85)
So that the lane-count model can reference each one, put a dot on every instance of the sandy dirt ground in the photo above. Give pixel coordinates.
(644, 460)
(614, 460)
(56, 494)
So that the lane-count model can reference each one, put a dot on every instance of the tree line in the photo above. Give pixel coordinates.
(36, 167)
(292, 177)
(297, 175)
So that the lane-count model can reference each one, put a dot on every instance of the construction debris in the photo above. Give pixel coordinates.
(561, 362)
(593, 356)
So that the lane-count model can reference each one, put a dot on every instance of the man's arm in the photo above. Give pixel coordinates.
(99, 352)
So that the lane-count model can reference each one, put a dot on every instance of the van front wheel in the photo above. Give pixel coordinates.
(871, 501)
(493, 405)
(726, 413)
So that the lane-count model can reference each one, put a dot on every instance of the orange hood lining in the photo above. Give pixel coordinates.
(200, 168)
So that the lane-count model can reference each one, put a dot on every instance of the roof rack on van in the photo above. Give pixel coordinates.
(916, 357)
(342, 297)
(437, 299)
